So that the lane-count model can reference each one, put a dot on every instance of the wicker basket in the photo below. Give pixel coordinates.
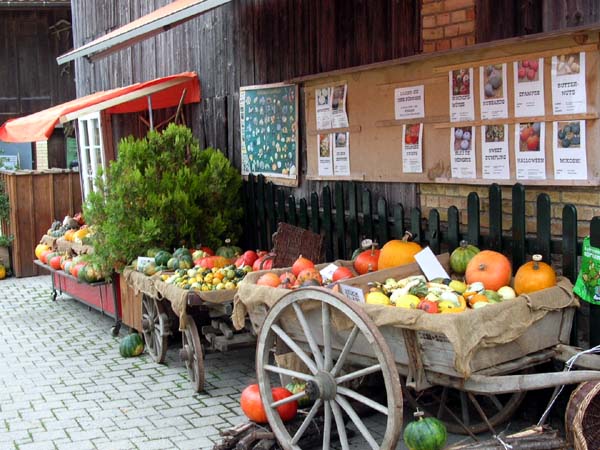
(582, 418)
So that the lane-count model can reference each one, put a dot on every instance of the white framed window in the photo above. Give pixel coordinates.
(91, 151)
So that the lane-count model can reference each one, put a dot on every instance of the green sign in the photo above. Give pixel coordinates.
(71, 150)
(269, 130)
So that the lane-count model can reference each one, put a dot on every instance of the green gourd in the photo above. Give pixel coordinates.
(131, 345)
(461, 256)
(425, 433)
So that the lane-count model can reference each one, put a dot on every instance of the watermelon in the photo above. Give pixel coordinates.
(425, 433)
(131, 345)
(296, 386)
(181, 251)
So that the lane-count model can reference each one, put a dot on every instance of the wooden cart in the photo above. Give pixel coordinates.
(334, 361)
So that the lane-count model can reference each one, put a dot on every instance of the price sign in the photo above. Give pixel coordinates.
(143, 260)
(353, 293)
(327, 272)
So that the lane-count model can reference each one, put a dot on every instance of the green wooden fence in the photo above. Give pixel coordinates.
(344, 222)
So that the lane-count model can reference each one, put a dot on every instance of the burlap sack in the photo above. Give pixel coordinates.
(467, 332)
(140, 282)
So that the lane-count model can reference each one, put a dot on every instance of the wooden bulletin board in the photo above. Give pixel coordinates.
(376, 137)
(269, 132)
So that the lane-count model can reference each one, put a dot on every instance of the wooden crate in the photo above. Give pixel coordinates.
(37, 198)
(131, 306)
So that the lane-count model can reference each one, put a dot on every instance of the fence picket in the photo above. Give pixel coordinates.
(433, 233)
(569, 253)
(262, 222)
(271, 213)
(327, 223)
(398, 230)
(280, 206)
(382, 222)
(292, 216)
(367, 208)
(495, 242)
(415, 225)
(251, 209)
(518, 226)
(473, 222)
(340, 220)
(544, 232)
(453, 228)
(594, 309)
(314, 213)
(353, 216)
(303, 220)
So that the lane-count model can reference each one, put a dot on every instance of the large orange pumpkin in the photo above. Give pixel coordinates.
(491, 268)
(534, 276)
(254, 409)
(398, 252)
(367, 261)
(268, 279)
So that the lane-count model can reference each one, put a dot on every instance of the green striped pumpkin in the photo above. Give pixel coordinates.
(425, 433)
(131, 345)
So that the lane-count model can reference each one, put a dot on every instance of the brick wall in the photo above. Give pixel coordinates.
(447, 24)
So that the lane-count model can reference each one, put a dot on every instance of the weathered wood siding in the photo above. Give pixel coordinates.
(246, 42)
(30, 78)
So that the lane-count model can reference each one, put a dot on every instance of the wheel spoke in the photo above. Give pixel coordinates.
(288, 372)
(339, 423)
(295, 348)
(481, 412)
(309, 336)
(362, 399)
(326, 424)
(464, 404)
(358, 373)
(347, 347)
(326, 336)
(289, 399)
(497, 403)
(306, 423)
(357, 422)
(443, 399)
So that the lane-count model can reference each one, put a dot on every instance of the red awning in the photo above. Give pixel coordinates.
(164, 92)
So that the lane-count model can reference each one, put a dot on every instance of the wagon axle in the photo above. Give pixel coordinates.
(323, 386)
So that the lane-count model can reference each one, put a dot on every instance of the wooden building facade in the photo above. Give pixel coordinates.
(251, 42)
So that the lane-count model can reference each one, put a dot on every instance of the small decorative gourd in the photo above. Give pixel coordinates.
(461, 256)
(425, 433)
(534, 276)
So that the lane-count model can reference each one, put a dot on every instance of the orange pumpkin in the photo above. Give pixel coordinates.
(398, 252)
(534, 276)
(301, 264)
(367, 261)
(491, 268)
(268, 279)
(69, 234)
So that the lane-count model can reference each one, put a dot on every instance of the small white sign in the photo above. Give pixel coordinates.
(409, 102)
(529, 87)
(430, 265)
(568, 84)
(568, 145)
(462, 152)
(327, 272)
(324, 156)
(493, 92)
(353, 293)
(460, 85)
(494, 152)
(142, 261)
(412, 148)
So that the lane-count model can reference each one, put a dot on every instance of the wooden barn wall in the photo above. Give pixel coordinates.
(242, 43)
(30, 78)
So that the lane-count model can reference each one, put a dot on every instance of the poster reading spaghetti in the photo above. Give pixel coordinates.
(530, 154)
(568, 144)
(461, 95)
(462, 152)
(493, 89)
(412, 148)
(568, 84)
(529, 87)
(494, 152)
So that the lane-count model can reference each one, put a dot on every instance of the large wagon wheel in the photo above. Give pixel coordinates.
(155, 328)
(325, 383)
(463, 412)
(191, 353)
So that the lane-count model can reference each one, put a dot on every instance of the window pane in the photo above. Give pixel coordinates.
(95, 123)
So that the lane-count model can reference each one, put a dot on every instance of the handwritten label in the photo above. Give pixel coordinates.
(143, 260)
(430, 265)
(327, 272)
(353, 293)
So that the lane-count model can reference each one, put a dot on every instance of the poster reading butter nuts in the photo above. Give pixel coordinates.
(568, 84)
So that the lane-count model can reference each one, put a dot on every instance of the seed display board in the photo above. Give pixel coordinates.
(269, 131)
(519, 110)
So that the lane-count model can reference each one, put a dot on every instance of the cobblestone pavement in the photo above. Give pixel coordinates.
(63, 384)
